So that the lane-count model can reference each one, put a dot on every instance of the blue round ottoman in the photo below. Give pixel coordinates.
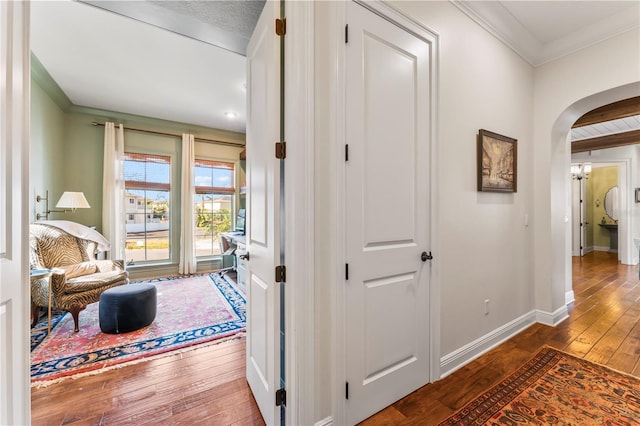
(127, 308)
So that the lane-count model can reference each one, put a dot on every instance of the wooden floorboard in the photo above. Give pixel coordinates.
(207, 385)
(202, 386)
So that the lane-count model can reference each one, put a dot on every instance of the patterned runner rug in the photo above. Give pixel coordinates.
(555, 388)
(190, 311)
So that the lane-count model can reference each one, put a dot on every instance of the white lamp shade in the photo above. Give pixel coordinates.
(73, 200)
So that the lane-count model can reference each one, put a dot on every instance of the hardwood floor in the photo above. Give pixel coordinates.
(603, 326)
(202, 386)
(207, 385)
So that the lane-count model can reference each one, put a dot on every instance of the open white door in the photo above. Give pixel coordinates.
(263, 213)
(387, 213)
(15, 398)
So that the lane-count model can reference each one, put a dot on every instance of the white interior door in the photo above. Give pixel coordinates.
(15, 398)
(263, 219)
(387, 213)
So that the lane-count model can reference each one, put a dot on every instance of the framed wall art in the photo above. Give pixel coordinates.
(497, 162)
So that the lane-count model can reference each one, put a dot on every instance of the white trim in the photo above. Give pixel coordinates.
(327, 421)
(552, 318)
(337, 20)
(15, 100)
(299, 210)
(569, 297)
(460, 357)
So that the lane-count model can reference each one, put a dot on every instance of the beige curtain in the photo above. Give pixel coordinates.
(113, 214)
(188, 263)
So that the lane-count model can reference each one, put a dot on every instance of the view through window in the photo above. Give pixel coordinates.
(147, 210)
(214, 204)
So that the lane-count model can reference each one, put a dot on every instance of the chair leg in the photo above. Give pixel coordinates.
(35, 314)
(75, 313)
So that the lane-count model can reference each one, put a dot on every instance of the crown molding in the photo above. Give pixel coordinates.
(42, 77)
(497, 20)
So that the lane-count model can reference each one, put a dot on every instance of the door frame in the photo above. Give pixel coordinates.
(299, 181)
(15, 390)
(336, 119)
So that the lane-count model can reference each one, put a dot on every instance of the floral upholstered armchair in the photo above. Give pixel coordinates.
(69, 250)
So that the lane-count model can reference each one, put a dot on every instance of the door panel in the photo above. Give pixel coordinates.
(387, 213)
(263, 219)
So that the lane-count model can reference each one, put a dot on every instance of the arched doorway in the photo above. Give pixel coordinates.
(560, 181)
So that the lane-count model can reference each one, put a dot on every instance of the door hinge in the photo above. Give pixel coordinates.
(281, 274)
(281, 397)
(346, 152)
(281, 150)
(346, 390)
(346, 34)
(346, 271)
(281, 26)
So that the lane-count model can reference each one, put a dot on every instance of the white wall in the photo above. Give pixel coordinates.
(564, 90)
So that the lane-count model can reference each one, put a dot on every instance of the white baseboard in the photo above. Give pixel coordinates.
(601, 248)
(460, 357)
(327, 421)
(569, 297)
(552, 318)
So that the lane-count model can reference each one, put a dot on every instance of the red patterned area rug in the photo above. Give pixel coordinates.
(190, 311)
(555, 388)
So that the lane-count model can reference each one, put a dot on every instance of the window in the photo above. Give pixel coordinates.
(214, 204)
(147, 186)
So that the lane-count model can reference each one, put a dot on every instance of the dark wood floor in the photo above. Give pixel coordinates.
(203, 386)
(207, 385)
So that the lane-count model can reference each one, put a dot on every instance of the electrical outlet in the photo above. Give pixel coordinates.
(486, 307)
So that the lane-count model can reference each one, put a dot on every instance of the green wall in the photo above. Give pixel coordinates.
(47, 150)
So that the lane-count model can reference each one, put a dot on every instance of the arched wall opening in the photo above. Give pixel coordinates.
(560, 211)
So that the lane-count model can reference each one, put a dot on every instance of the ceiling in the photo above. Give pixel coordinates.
(184, 60)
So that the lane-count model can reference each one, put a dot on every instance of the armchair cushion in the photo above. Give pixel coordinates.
(79, 269)
(93, 281)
